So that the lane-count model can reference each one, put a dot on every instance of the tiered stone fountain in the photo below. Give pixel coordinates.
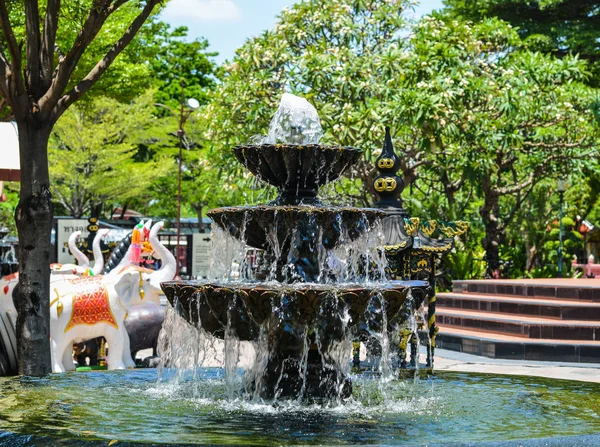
(318, 292)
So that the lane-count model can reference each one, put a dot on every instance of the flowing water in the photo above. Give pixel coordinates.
(447, 409)
(353, 259)
(295, 121)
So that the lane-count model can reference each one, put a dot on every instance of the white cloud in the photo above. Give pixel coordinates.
(202, 10)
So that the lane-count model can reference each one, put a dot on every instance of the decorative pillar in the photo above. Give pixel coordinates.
(412, 245)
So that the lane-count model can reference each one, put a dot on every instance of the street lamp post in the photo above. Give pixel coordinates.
(561, 187)
(180, 134)
(192, 104)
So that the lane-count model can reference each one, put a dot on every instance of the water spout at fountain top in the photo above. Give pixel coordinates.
(296, 121)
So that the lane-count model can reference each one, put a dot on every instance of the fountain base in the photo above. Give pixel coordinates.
(294, 375)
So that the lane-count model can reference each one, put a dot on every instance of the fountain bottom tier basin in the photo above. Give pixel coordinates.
(302, 332)
(450, 409)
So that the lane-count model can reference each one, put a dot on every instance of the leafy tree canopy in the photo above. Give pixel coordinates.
(128, 75)
(92, 154)
(158, 53)
(559, 27)
(176, 59)
(503, 118)
(340, 55)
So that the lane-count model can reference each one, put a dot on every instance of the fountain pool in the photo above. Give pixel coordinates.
(447, 409)
(320, 288)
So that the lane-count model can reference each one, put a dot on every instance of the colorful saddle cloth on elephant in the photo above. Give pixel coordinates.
(90, 302)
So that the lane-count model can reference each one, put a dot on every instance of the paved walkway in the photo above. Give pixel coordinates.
(575, 282)
(455, 361)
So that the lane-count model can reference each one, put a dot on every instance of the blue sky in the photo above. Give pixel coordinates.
(228, 23)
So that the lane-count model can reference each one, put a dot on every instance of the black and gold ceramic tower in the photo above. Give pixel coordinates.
(388, 184)
(411, 245)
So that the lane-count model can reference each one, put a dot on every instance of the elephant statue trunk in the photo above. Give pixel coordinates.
(82, 260)
(83, 266)
(168, 267)
(98, 257)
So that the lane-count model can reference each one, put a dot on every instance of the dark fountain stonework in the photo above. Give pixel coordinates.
(298, 319)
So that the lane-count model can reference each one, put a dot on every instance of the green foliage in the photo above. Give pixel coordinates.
(203, 185)
(128, 75)
(504, 118)
(559, 27)
(480, 120)
(547, 271)
(572, 243)
(157, 53)
(464, 263)
(92, 153)
(176, 59)
(7, 209)
(114, 147)
(338, 54)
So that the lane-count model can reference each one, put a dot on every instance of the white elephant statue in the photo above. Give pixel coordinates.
(92, 306)
(64, 285)
(83, 268)
(151, 279)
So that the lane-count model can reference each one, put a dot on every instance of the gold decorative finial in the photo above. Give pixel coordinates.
(102, 353)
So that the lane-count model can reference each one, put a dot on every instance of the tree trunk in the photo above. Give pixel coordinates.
(491, 242)
(532, 254)
(33, 217)
(198, 208)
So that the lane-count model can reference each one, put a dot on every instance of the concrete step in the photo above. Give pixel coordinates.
(517, 348)
(553, 308)
(560, 288)
(518, 325)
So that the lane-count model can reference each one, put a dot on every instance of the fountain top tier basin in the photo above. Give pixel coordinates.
(297, 171)
(245, 307)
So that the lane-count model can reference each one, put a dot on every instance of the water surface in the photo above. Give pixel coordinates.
(131, 407)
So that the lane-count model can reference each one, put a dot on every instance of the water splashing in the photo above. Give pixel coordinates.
(296, 121)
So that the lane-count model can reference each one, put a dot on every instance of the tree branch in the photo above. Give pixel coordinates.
(49, 41)
(516, 188)
(4, 67)
(99, 12)
(15, 83)
(517, 206)
(32, 29)
(553, 145)
(92, 77)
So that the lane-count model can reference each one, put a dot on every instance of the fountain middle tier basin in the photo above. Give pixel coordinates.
(277, 228)
(328, 309)
(297, 170)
